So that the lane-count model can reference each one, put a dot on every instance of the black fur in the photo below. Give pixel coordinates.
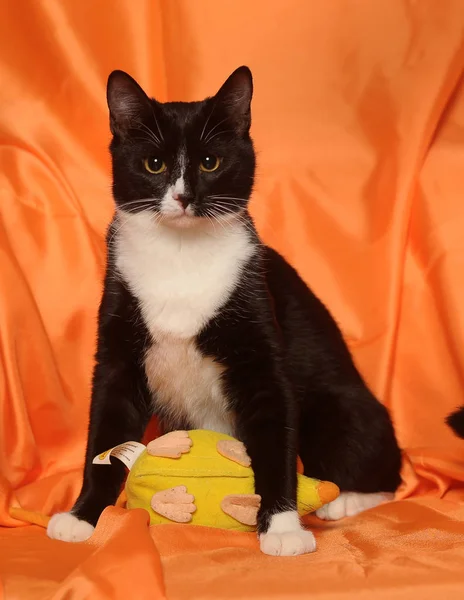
(456, 421)
(292, 383)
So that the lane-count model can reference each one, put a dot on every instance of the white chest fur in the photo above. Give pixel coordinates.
(188, 385)
(181, 279)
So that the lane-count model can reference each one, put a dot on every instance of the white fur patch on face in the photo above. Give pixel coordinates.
(349, 504)
(68, 528)
(169, 205)
(286, 536)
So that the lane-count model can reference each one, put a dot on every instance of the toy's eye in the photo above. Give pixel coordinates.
(209, 163)
(154, 165)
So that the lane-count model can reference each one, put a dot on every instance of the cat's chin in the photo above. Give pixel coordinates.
(182, 221)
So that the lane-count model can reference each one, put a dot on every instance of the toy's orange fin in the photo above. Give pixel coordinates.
(170, 445)
(235, 451)
(327, 491)
(174, 504)
(242, 507)
(122, 499)
(29, 516)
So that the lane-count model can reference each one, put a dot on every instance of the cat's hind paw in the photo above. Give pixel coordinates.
(349, 504)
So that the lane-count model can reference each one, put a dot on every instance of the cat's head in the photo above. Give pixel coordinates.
(185, 162)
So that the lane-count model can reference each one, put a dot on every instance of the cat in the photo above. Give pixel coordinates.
(204, 326)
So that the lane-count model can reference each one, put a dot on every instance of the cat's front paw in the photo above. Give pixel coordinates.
(286, 537)
(289, 543)
(68, 528)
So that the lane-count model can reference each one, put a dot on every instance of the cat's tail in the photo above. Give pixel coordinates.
(456, 421)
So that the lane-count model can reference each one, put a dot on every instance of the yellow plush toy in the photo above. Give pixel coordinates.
(204, 478)
(198, 477)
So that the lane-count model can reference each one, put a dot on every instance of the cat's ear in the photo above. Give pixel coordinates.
(127, 102)
(235, 97)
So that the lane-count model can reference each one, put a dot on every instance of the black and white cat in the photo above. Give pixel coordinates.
(206, 327)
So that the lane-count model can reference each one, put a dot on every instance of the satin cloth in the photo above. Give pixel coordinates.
(358, 119)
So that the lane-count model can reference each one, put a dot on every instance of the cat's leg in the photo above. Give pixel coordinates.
(117, 415)
(346, 436)
(120, 411)
(270, 441)
(266, 423)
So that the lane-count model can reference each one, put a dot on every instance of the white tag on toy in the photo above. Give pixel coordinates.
(127, 453)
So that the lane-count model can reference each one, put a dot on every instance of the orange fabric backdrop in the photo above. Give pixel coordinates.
(359, 125)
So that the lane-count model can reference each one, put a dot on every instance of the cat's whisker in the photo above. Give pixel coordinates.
(209, 136)
(139, 201)
(207, 121)
(218, 133)
(240, 218)
(121, 224)
(218, 197)
(156, 123)
(210, 220)
(156, 218)
(137, 209)
(225, 209)
(214, 219)
(123, 214)
(147, 139)
(213, 128)
(227, 200)
(150, 132)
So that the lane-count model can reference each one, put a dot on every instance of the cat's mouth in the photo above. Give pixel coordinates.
(183, 220)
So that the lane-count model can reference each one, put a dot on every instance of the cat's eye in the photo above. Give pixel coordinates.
(154, 165)
(209, 163)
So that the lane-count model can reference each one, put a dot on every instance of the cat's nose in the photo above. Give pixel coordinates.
(183, 200)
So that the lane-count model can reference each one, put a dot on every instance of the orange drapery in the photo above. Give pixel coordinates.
(359, 126)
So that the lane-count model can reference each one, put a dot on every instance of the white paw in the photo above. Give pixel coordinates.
(286, 537)
(68, 528)
(349, 504)
(290, 543)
